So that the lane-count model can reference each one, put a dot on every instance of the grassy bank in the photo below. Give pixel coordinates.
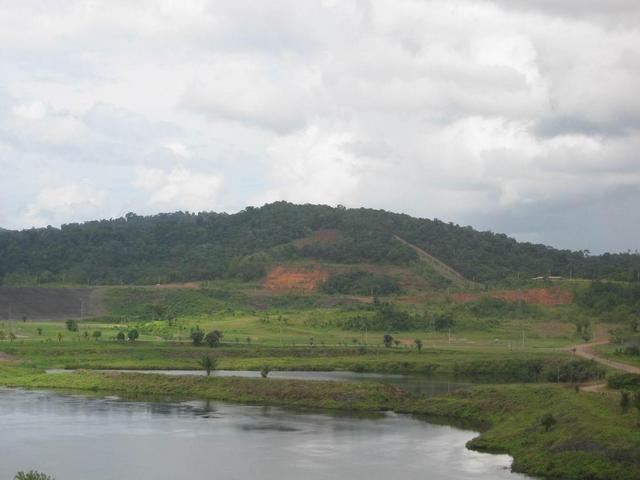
(489, 364)
(592, 439)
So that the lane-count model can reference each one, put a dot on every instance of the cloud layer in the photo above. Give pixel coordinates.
(520, 117)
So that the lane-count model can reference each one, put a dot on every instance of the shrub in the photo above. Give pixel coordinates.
(133, 335)
(213, 338)
(197, 336)
(265, 370)
(32, 475)
(208, 363)
(72, 325)
(547, 421)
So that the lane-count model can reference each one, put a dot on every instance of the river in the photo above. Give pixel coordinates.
(76, 437)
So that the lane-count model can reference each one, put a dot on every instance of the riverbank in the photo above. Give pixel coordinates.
(591, 438)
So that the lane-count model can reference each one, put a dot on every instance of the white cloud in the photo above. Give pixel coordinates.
(180, 188)
(65, 203)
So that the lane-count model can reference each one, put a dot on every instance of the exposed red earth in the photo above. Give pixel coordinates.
(548, 297)
(300, 279)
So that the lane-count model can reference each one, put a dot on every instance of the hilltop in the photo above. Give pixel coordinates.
(183, 246)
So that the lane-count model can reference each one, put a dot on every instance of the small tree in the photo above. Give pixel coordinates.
(120, 336)
(547, 421)
(265, 370)
(72, 325)
(208, 363)
(418, 343)
(636, 400)
(625, 400)
(12, 336)
(32, 475)
(133, 335)
(197, 336)
(213, 338)
(96, 334)
(387, 340)
(39, 331)
(59, 337)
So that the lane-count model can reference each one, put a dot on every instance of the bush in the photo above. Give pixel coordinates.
(360, 283)
(197, 336)
(133, 335)
(32, 475)
(548, 421)
(213, 338)
(72, 325)
(576, 371)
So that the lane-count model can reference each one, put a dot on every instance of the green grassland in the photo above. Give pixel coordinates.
(513, 351)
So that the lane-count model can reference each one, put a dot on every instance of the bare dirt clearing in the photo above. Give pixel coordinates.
(300, 279)
(547, 297)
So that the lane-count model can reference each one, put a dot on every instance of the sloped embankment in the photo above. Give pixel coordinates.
(50, 303)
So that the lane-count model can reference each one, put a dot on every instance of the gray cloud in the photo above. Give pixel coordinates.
(514, 116)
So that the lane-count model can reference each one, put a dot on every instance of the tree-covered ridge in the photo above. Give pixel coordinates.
(188, 246)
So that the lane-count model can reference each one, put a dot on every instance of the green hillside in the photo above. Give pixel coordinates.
(186, 246)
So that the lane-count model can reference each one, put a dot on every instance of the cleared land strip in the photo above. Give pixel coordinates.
(442, 268)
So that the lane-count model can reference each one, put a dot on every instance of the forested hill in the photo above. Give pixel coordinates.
(185, 246)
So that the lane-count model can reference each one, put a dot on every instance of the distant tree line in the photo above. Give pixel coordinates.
(186, 246)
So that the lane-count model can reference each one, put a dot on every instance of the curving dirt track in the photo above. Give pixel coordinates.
(586, 350)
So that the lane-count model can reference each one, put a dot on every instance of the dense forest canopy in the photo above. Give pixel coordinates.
(188, 246)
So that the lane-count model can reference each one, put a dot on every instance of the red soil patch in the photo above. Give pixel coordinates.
(284, 279)
(327, 235)
(190, 285)
(547, 297)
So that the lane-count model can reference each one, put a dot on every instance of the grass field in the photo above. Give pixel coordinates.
(495, 343)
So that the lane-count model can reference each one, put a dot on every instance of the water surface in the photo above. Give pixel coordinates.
(81, 438)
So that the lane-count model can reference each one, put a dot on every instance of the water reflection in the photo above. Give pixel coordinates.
(76, 438)
(420, 385)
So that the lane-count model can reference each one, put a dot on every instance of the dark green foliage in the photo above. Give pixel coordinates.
(576, 371)
(213, 338)
(72, 325)
(197, 335)
(186, 246)
(387, 340)
(264, 371)
(601, 297)
(625, 400)
(487, 307)
(443, 321)
(627, 381)
(418, 344)
(208, 363)
(32, 475)
(120, 337)
(360, 283)
(548, 421)
(133, 335)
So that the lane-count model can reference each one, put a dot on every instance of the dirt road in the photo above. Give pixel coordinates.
(586, 350)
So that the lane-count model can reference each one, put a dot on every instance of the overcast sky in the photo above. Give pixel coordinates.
(500, 114)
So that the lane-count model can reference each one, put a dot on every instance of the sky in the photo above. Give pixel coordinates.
(514, 116)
